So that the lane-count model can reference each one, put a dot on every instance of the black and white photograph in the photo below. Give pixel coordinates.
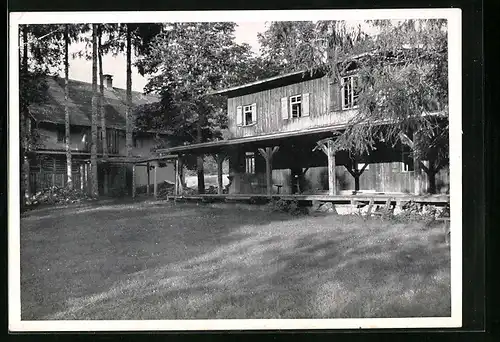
(235, 170)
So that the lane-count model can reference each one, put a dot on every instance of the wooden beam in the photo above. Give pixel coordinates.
(332, 182)
(81, 177)
(54, 172)
(362, 169)
(176, 178)
(219, 158)
(406, 140)
(180, 176)
(269, 171)
(149, 180)
(417, 173)
(263, 153)
(155, 186)
(267, 154)
(133, 180)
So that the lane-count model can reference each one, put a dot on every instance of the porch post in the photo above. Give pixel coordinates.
(200, 174)
(417, 173)
(268, 156)
(54, 172)
(105, 179)
(133, 180)
(180, 176)
(87, 181)
(176, 178)
(155, 186)
(331, 169)
(219, 158)
(147, 189)
(81, 177)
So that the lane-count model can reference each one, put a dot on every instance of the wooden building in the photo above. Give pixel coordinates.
(48, 163)
(279, 142)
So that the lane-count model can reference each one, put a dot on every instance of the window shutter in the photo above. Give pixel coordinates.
(239, 116)
(254, 112)
(305, 104)
(335, 96)
(284, 108)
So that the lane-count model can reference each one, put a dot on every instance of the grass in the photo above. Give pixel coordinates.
(150, 261)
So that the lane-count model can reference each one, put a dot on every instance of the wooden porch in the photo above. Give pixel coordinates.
(376, 198)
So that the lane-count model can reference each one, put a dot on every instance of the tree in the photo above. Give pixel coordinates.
(186, 61)
(404, 95)
(67, 134)
(402, 74)
(71, 33)
(128, 116)
(40, 52)
(94, 119)
(102, 113)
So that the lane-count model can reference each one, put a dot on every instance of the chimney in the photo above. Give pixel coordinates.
(108, 81)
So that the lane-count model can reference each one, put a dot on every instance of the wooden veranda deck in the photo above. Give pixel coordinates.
(439, 200)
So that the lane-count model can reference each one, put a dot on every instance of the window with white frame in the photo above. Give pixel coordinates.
(250, 162)
(247, 115)
(296, 106)
(350, 92)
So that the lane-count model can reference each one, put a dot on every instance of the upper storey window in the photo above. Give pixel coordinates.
(296, 106)
(350, 92)
(246, 115)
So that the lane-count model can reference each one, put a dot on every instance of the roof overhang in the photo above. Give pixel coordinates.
(136, 160)
(262, 140)
(275, 138)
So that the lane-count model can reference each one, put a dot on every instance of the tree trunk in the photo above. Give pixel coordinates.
(199, 159)
(25, 166)
(69, 169)
(95, 100)
(128, 117)
(104, 141)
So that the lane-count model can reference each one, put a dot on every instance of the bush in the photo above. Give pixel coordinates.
(413, 211)
(286, 206)
(57, 195)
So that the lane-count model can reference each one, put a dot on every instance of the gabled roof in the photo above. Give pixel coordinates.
(277, 81)
(268, 83)
(80, 104)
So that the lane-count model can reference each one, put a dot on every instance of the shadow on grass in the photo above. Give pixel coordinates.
(188, 261)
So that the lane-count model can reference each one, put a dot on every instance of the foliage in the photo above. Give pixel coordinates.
(307, 45)
(404, 77)
(402, 71)
(57, 195)
(286, 206)
(186, 61)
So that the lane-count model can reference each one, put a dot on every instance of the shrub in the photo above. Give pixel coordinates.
(286, 206)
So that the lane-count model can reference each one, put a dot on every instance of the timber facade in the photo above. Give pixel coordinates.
(279, 142)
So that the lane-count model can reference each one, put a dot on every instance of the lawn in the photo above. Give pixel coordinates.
(165, 261)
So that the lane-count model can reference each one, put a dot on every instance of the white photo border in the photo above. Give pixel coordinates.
(454, 18)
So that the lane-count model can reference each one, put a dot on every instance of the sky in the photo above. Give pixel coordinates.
(81, 69)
